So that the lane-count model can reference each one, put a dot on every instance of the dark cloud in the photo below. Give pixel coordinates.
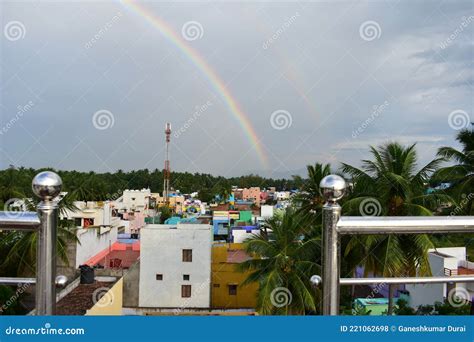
(329, 65)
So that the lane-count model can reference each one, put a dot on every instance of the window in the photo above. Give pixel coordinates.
(232, 290)
(88, 222)
(159, 277)
(78, 222)
(185, 276)
(185, 291)
(187, 255)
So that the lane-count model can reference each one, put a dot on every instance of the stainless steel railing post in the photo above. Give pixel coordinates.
(332, 188)
(46, 185)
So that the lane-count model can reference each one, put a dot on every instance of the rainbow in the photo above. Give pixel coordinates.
(167, 31)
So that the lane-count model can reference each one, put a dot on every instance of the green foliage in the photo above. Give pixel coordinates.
(402, 308)
(438, 309)
(393, 184)
(283, 261)
(9, 301)
(165, 213)
(460, 174)
(205, 195)
(309, 200)
(91, 186)
(19, 247)
(446, 309)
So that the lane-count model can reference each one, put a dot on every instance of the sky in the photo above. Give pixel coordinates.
(248, 87)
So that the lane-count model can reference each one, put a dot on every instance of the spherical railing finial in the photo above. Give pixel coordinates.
(61, 281)
(333, 188)
(47, 185)
(316, 281)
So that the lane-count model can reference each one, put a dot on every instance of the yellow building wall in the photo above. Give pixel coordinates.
(110, 304)
(225, 274)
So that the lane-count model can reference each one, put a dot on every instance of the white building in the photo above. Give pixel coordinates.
(266, 211)
(134, 200)
(443, 262)
(90, 214)
(175, 266)
(240, 235)
(281, 195)
(96, 230)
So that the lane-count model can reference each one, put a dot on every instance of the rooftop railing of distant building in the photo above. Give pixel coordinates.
(333, 188)
(46, 185)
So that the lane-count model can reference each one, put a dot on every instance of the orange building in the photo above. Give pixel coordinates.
(251, 194)
(226, 290)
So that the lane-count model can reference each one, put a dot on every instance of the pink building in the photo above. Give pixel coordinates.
(251, 194)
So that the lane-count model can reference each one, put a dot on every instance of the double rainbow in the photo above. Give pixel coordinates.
(211, 75)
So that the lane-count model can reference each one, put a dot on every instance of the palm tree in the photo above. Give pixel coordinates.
(390, 185)
(21, 246)
(224, 192)
(461, 175)
(282, 266)
(309, 200)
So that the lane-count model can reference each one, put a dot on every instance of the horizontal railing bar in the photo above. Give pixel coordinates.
(14, 281)
(408, 280)
(19, 220)
(405, 224)
(60, 280)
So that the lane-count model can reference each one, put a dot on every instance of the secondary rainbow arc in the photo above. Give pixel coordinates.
(211, 75)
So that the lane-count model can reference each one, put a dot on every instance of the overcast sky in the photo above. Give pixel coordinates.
(90, 85)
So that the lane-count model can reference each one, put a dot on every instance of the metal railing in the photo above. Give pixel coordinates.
(333, 189)
(46, 185)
